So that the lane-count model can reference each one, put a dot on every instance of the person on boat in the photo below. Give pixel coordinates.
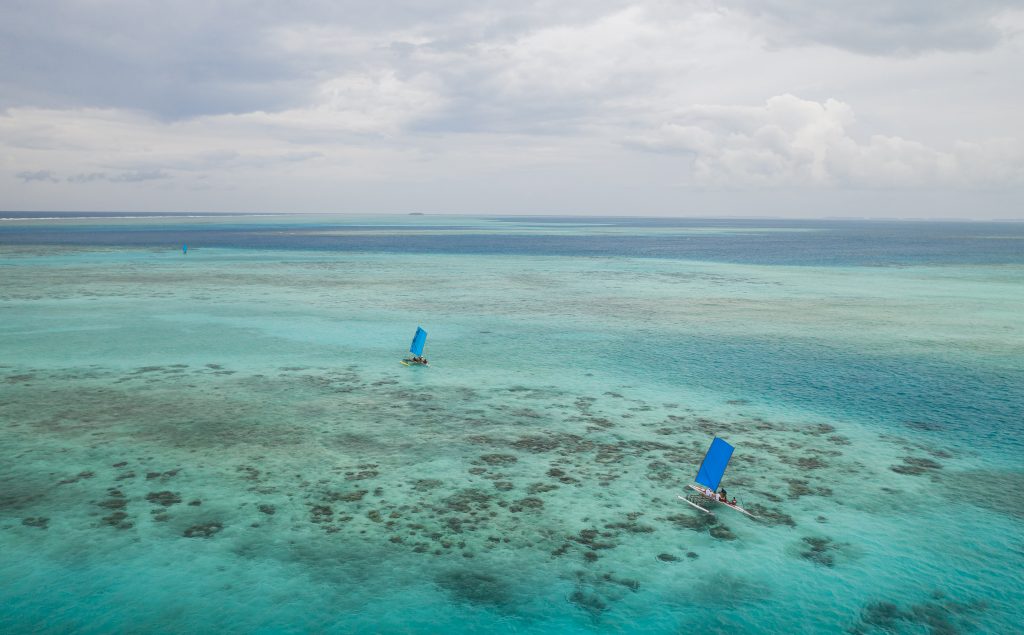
(733, 501)
(722, 496)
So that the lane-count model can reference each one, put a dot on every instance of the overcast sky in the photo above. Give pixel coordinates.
(808, 108)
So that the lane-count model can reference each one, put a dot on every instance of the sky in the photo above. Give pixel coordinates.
(795, 108)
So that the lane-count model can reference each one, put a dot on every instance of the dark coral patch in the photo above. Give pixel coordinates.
(426, 484)
(78, 477)
(203, 530)
(771, 515)
(913, 465)
(940, 616)
(164, 498)
(498, 459)
(589, 602)
(799, 487)
(119, 520)
(695, 522)
(721, 532)
(477, 587)
(347, 497)
(321, 514)
(819, 550)
(362, 475)
(468, 500)
(40, 522)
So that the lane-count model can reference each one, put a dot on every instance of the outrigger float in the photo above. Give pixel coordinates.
(709, 475)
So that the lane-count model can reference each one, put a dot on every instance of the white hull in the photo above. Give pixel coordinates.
(712, 497)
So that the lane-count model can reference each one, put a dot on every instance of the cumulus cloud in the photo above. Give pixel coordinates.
(792, 141)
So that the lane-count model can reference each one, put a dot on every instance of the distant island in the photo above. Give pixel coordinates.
(415, 213)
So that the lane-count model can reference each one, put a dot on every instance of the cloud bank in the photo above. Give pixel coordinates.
(605, 107)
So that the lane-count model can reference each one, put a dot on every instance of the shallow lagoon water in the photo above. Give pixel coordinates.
(225, 440)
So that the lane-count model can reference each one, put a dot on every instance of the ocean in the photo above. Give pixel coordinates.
(225, 440)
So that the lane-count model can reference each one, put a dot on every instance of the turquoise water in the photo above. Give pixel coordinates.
(225, 441)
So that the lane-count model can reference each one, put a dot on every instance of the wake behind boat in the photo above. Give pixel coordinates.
(709, 476)
(419, 340)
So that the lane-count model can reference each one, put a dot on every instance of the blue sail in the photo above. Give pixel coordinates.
(714, 464)
(418, 341)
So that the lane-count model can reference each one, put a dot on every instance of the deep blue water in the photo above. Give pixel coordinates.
(943, 397)
(769, 242)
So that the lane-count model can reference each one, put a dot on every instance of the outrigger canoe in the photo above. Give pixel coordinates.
(710, 495)
(709, 475)
(419, 340)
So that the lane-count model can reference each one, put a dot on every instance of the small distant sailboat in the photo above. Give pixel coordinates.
(184, 249)
(419, 340)
(709, 475)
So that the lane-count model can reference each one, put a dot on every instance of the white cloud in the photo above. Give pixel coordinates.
(791, 141)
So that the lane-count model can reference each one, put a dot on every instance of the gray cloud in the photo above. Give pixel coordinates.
(87, 178)
(193, 57)
(38, 175)
(134, 176)
(138, 175)
(881, 27)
